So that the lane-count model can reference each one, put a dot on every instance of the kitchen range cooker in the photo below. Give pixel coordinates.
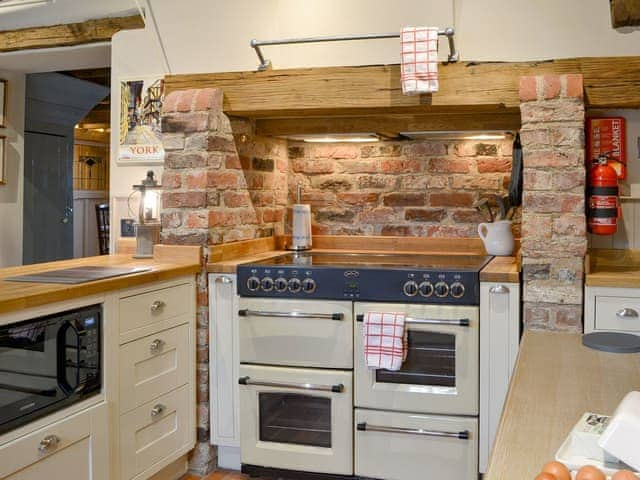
(310, 407)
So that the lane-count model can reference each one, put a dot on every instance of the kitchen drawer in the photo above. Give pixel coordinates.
(617, 313)
(153, 431)
(154, 365)
(153, 307)
(68, 450)
(403, 452)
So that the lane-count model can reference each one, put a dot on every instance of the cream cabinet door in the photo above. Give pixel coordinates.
(499, 343)
(153, 365)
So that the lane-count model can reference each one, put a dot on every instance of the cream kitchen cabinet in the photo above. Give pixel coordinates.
(224, 353)
(499, 342)
(612, 309)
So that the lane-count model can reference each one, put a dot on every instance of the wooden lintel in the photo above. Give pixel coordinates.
(67, 35)
(393, 123)
(610, 82)
(625, 13)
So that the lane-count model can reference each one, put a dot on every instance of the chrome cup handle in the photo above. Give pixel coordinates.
(627, 313)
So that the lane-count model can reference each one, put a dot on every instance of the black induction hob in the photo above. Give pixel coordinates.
(412, 278)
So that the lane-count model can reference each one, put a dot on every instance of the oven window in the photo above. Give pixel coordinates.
(431, 360)
(295, 418)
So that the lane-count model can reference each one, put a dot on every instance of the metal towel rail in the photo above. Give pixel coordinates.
(448, 32)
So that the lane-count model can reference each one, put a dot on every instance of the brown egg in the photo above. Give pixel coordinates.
(546, 476)
(558, 469)
(589, 472)
(624, 475)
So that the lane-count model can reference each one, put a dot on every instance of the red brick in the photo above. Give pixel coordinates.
(358, 166)
(451, 199)
(221, 218)
(424, 214)
(262, 199)
(313, 166)
(551, 158)
(378, 215)
(220, 143)
(318, 198)
(474, 182)
(538, 226)
(356, 198)
(494, 165)
(404, 199)
(553, 202)
(396, 230)
(569, 179)
(186, 99)
(425, 149)
(245, 162)
(184, 199)
(208, 99)
(534, 137)
(320, 229)
(185, 122)
(537, 179)
(232, 161)
(236, 199)
(270, 215)
(222, 180)
(185, 238)
(575, 87)
(448, 165)
(171, 219)
(170, 102)
(468, 216)
(335, 151)
(551, 86)
(171, 180)
(572, 225)
(528, 89)
(197, 220)
(197, 179)
(567, 136)
(396, 165)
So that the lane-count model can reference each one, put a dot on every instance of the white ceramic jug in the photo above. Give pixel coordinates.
(497, 237)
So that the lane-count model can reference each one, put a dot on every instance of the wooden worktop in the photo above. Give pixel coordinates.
(555, 381)
(168, 262)
(225, 258)
(613, 268)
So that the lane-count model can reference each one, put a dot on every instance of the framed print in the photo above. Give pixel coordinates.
(3, 160)
(3, 103)
(140, 132)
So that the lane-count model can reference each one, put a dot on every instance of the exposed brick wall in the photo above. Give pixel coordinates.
(416, 188)
(553, 222)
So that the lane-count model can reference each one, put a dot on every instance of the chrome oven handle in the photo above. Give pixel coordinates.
(499, 289)
(225, 280)
(627, 313)
(458, 322)
(339, 388)
(257, 313)
(364, 427)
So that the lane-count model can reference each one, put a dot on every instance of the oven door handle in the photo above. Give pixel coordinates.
(339, 388)
(458, 322)
(364, 427)
(258, 313)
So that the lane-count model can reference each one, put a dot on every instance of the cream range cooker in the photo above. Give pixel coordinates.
(310, 407)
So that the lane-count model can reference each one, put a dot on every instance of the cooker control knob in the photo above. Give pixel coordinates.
(457, 290)
(267, 284)
(426, 289)
(253, 283)
(442, 289)
(410, 288)
(295, 285)
(308, 285)
(280, 284)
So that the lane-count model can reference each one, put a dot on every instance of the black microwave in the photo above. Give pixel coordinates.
(48, 363)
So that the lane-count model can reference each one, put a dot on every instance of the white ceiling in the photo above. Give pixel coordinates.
(63, 11)
(95, 55)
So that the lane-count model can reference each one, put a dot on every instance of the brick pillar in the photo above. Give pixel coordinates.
(195, 151)
(554, 237)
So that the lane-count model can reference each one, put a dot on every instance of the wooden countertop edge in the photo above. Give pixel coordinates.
(612, 268)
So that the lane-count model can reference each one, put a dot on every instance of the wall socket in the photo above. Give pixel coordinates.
(126, 227)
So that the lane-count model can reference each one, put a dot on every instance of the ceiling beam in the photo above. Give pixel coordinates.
(67, 35)
(610, 82)
(508, 120)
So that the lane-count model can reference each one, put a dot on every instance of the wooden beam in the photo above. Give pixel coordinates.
(393, 123)
(625, 13)
(610, 82)
(66, 35)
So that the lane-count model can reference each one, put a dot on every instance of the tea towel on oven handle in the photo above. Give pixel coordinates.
(385, 340)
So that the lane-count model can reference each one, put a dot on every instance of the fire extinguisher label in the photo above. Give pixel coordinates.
(598, 202)
(608, 221)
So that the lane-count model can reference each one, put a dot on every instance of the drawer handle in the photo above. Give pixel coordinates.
(499, 289)
(627, 313)
(157, 410)
(463, 435)
(48, 443)
(157, 305)
(156, 345)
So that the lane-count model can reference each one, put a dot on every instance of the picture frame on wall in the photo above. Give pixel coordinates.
(3, 103)
(3, 160)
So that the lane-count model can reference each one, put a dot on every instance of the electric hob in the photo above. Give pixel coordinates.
(387, 277)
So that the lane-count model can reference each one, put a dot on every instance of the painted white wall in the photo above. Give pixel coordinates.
(11, 194)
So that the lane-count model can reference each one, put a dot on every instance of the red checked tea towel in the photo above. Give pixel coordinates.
(384, 340)
(419, 62)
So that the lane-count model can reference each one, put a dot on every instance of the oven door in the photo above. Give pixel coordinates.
(299, 333)
(440, 373)
(296, 419)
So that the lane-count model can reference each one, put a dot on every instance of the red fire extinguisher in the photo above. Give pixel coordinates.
(603, 198)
